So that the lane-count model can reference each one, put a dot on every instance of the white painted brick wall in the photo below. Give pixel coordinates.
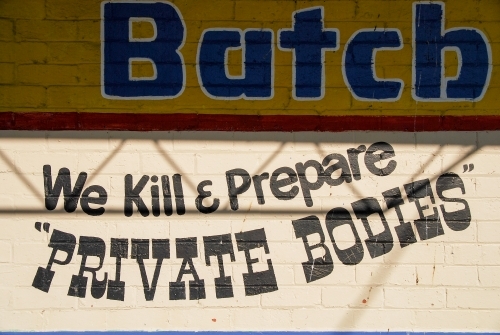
(446, 283)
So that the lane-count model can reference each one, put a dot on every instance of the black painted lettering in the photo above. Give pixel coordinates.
(59, 241)
(256, 282)
(140, 252)
(345, 174)
(460, 219)
(371, 158)
(155, 197)
(179, 194)
(232, 190)
(167, 196)
(257, 184)
(276, 184)
(314, 268)
(219, 245)
(352, 154)
(381, 243)
(305, 184)
(427, 226)
(202, 194)
(405, 233)
(100, 200)
(132, 195)
(63, 182)
(354, 254)
(119, 250)
(89, 246)
(187, 249)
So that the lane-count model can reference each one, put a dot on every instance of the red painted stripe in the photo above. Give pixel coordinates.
(251, 123)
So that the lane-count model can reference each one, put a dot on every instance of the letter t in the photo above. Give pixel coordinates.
(309, 41)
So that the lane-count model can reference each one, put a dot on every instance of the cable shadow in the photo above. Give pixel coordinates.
(106, 161)
(272, 157)
(382, 276)
(173, 164)
(19, 174)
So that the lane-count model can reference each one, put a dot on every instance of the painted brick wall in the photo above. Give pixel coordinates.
(51, 59)
(431, 263)
(445, 283)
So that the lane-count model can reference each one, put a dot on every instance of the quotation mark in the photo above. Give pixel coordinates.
(46, 226)
(468, 167)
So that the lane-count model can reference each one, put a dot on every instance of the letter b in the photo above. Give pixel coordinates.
(120, 49)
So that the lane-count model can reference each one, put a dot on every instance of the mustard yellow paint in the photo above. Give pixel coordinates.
(50, 57)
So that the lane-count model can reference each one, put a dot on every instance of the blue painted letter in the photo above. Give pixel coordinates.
(430, 43)
(120, 49)
(256, 81)
(309, 41)
(359, 65)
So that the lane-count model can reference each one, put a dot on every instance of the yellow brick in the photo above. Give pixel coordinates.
(491, 30)
(473, 112)
(29, 9)
(82, 59)
(334, 99)
(74, 53)
(408, 106)
(283, 58)
(142, 69)
(20, 97)
(193, 98)
(262, 11)
(6, 30)
(6, 73)
(234, 62)
(142, 29)
(288, 111)
(347, 29)
(89, 74)
(491, 99)
(74, 97)
(47, 74)
(283, 76)
(495, 51)
(205, 10)
(334, 78)
(472, 11)
(389, 58)
(397, 11)
(64, 9)
(383, 11)
(189, 52)
(394, 71)
(23, 52)
(89, 30)
(89, 98)
(333, 10)
(196, 28)
(450, 63)
(44, 30)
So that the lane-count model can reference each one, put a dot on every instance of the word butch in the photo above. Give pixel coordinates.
(307, 39)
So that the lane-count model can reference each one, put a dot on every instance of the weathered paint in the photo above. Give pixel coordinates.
(441, 279)
(53, 60)
(327, 207)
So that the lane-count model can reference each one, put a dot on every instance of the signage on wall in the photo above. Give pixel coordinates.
(166, 199)
(261, 66)
(307, 39)
(198, 193)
